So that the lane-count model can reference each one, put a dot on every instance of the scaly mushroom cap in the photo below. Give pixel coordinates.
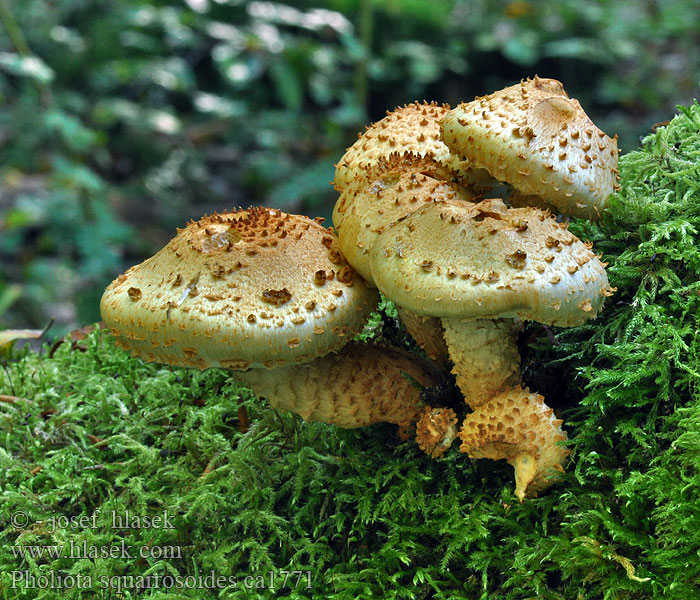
(251, 288)
(517, 199)
(397, 187)
(414, 128)
(360, 385)
(533, 136)
(519, 427)
(484, 260)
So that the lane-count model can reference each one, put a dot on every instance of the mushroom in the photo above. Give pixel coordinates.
(401, 153)
(519, 427)
(267, 291)
(534, 137)
(479, 267)
(393, 189)
(251, 288)
(414, 128)
(360, 385)
(436, 430)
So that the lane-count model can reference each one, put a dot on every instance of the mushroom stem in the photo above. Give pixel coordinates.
(485, 357)
(519, 427)
(427, 333)
(360, 385)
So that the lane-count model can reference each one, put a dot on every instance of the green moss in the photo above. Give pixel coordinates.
(367, 515)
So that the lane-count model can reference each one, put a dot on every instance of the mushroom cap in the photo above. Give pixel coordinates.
(397, 187)
(483, 260)
(534, 137)
(414, 128)
(251, 288)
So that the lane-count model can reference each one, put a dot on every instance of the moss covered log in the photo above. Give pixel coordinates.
(259, 504)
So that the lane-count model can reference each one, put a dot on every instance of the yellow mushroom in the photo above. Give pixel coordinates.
(517, 426)
(534, 137)
(479, 268)
(413, 128)
(393, 189)
(268, 294)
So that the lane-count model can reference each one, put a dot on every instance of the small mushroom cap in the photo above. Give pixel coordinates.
(533, 136)
(397, 187)
(484, 260)
(414, 128)
(251, 288)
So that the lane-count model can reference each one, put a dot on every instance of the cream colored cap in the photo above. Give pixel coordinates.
(534, 137)
(398, 186)
(252, 288)
(413, 128)
(484, 260)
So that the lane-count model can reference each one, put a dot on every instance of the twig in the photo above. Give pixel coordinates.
(9, 376)
(365, 30)
(243, 420)
(51, 321)
(210, 466)
(98, 442)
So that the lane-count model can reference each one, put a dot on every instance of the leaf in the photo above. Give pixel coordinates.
(8, 295)
(26, 66)
(522, 49)
(71, 174)
(11, 335)
(288, 84)
(74, 134)
(589, 49)
(304, 185)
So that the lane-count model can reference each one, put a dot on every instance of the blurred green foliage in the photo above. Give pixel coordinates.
(121, 120)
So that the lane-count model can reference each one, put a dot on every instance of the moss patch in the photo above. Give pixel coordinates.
(240, 494)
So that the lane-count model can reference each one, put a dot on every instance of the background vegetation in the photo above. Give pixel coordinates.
(88, 430)
(121, 120)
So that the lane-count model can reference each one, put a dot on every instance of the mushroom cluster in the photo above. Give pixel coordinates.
(466, 269)
(278, 298)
